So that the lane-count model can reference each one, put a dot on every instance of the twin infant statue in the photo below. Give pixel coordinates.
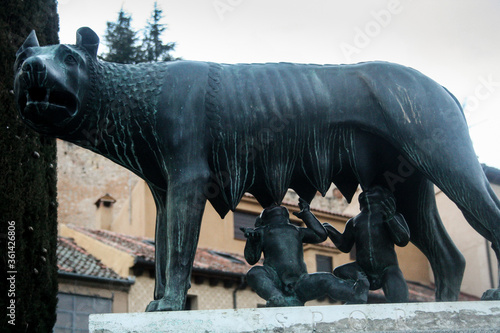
(283, 280)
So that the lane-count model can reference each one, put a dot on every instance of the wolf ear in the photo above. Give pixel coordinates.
(31, 41)
(88, 39)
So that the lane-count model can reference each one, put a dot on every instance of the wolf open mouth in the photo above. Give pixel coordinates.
(38, 100)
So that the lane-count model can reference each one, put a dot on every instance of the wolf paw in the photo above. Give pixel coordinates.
(491, 295)
(161, 305)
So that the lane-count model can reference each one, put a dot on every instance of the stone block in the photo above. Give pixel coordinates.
(410, 317)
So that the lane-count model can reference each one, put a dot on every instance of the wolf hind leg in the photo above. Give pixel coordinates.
(416, 202)
(449, 161)
(481, 208)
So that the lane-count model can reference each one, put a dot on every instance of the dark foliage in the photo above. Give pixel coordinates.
(153, 48)
(121, 40)
(124, 46)
(27, 182)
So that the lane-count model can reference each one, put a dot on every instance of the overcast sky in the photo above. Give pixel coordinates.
(455, 42)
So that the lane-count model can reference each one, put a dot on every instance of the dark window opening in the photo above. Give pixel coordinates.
(73, 311)
(324, 263)
(243, 220)
(191, 303)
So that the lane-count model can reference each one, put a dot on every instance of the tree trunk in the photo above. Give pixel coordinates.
(28, 206)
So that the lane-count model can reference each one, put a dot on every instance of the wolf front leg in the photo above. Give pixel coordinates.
(180, 210)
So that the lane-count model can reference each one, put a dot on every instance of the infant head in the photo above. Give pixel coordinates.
(378, 197)
(273, 213)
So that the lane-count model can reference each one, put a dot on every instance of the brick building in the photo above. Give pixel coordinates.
(109, 214)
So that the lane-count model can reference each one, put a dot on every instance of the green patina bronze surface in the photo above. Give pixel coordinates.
(198, 131)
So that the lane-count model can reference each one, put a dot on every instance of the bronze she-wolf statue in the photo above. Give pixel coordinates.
(198, 131)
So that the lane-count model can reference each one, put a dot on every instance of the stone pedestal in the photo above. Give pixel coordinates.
(411, 317)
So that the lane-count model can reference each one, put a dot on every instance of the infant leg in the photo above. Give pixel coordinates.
(317, 285)
(266, 284)
(394, 285)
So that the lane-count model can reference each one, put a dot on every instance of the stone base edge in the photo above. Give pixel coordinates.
(481, 316)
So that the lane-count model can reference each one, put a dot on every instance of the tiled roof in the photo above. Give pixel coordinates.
(218, 261)
(72, 258)
(138, 247)
(143, 248)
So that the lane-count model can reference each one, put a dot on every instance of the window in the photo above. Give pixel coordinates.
(243, 220)
(191, 302)
(324, 263)
(73, 312)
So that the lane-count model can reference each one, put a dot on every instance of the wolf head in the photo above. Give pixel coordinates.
(52, 83)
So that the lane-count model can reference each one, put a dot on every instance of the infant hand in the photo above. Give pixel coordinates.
(250, 233)
(303, 205)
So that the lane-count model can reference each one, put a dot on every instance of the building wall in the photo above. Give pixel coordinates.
(472, 245)
(141, 293)
(136, 217)
(217, 233)
(311, 250)
(414, 264)
(83, 177)
(205, 296)
(248, 299)
(217, 297)
(119, 296)
(113, 258)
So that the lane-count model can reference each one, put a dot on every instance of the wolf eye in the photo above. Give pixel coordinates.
(70, 60)
(19, 62)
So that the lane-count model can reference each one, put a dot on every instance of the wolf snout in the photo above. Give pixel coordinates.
(34, 72)
(33, 65)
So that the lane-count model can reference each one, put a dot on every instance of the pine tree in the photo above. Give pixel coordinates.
(153, 48)
(28, 208)
(121, 40)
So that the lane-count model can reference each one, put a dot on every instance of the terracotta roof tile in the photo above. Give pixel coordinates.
(220, 261)
(72, 258)
(141, 247)
(205, 259)
(135, 246)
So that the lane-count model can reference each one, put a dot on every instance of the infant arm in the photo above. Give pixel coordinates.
(253, 246)
(344, 242)
(399, 230)
(315, 232)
